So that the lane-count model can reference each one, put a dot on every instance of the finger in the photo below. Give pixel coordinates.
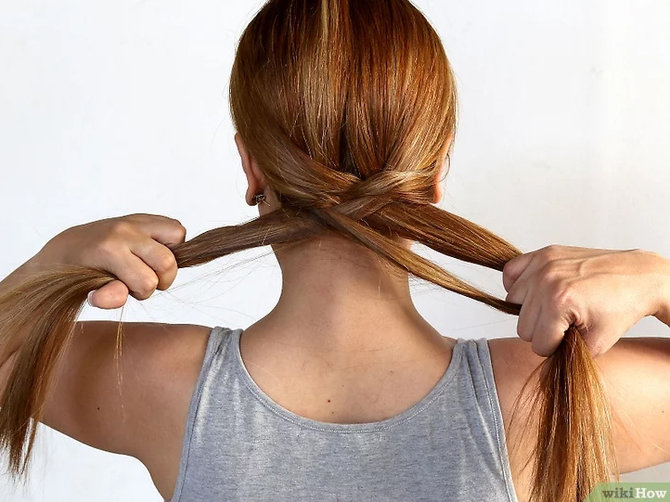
(597, 340)
(159, 257)
(514, 268)
(140, 279)
(167, 231)
(528, 318)
(112, 295)
(519, 290)
(549, 332)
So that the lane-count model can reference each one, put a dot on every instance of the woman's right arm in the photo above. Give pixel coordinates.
(91, 398)
(135, 248)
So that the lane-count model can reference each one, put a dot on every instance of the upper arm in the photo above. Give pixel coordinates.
(122, 409)
(636, 375)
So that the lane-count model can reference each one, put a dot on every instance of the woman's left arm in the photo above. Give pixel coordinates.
(636, 374)
(603, 293)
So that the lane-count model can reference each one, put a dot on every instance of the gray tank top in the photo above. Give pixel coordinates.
(240, 445)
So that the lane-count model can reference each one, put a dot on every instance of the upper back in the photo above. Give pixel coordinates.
(240, 444)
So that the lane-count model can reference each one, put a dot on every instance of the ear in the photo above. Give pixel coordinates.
(442, 172)
(445, 162)
(255, 178)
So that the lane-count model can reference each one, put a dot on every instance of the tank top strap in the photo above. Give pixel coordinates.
(216, 343)
(478, 368)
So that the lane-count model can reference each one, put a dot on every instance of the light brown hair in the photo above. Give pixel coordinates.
(347, 106)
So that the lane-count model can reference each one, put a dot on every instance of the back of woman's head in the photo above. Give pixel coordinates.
(348, 107)
(340, 100)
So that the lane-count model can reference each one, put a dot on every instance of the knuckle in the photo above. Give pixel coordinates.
(506, 271)
(550, 275)
(506, 267)
(122, 226)
(165, 262)
(550, 253)
(146, 285)
(179, 232)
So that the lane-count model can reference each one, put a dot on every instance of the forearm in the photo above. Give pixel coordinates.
(30, 267)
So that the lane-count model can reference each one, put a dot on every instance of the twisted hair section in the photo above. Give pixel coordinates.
(348, 107)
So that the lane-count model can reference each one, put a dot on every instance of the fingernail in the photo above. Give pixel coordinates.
(88, 298)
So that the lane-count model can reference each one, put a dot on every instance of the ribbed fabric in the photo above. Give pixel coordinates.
(240, 445)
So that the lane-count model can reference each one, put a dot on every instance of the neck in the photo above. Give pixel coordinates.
(338, 300)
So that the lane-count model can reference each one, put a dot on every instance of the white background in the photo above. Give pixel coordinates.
(111, 108)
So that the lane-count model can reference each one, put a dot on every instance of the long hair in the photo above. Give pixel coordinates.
(347, 106)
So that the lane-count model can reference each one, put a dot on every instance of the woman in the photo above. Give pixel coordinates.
(345, 114)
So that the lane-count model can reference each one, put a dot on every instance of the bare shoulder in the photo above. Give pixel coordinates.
(634, 373)
(513, 361)
(169, 375)
(136, 404)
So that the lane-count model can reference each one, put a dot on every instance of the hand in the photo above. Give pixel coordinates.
(135, 248)
(602, 292)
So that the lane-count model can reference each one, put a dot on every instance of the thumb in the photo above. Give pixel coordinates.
(112, 295)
